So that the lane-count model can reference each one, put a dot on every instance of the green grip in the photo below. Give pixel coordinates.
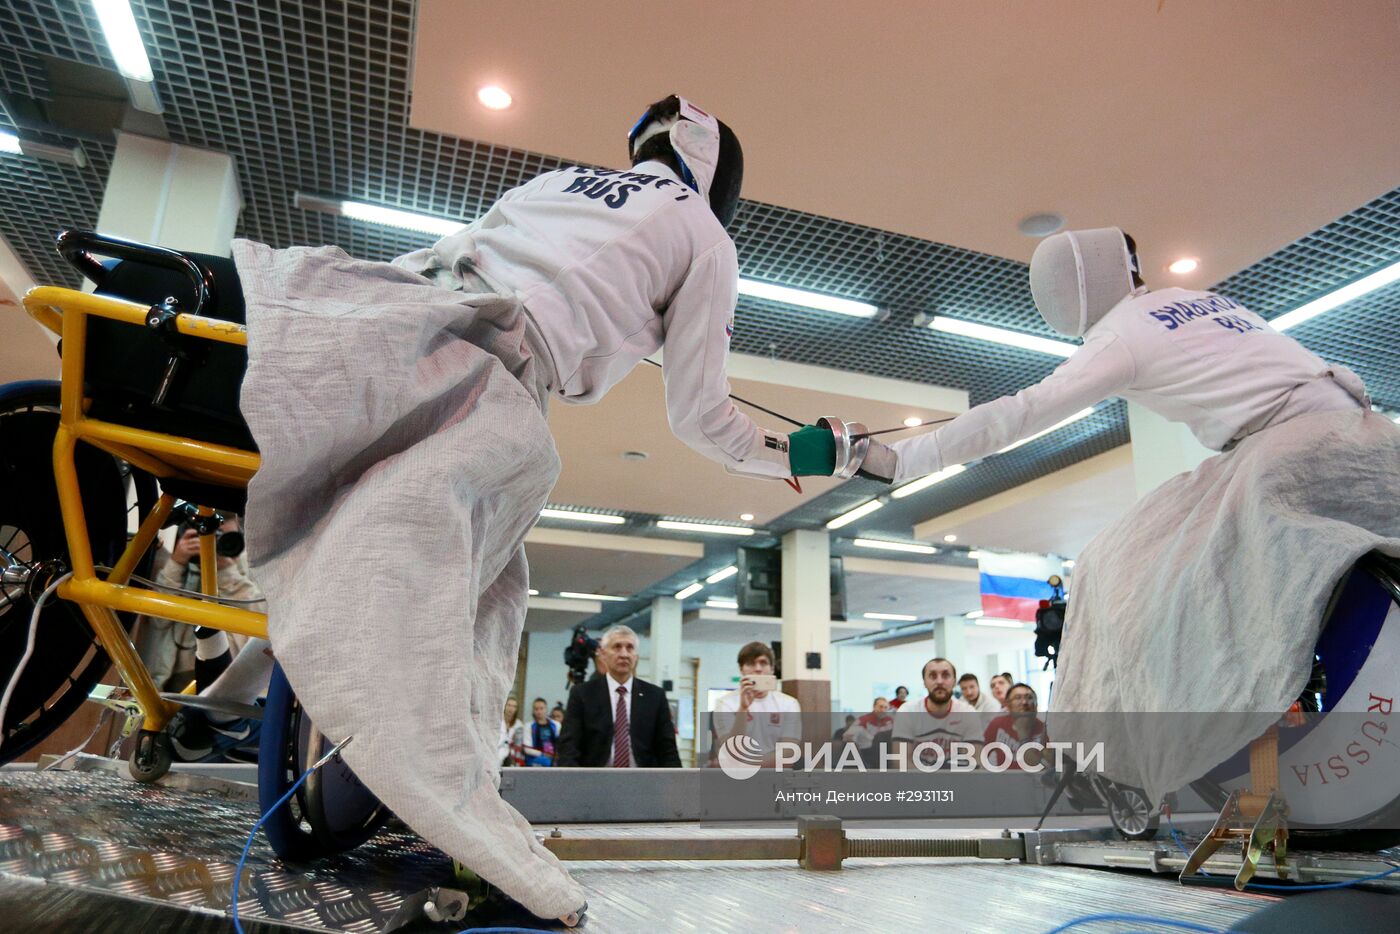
(812, 452)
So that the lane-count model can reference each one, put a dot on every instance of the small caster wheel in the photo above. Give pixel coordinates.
(151, 758)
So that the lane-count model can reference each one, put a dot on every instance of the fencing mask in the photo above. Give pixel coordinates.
(710, 159)
(1078, 275)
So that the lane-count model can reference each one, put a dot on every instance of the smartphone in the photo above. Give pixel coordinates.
(763, 682)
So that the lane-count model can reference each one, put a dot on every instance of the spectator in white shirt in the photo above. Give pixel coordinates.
(758, 709)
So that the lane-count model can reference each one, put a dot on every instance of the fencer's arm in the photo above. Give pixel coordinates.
(1103, 367)
(697, 326)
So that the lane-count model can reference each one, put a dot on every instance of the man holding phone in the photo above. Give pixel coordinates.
(758, 709)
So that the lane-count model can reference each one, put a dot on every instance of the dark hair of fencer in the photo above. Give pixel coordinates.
(1132, 251)
(753, 652)
(968, 677)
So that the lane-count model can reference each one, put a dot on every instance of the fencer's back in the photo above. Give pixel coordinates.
(1207, 361)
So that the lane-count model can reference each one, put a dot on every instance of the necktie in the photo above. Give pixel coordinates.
(622, 739)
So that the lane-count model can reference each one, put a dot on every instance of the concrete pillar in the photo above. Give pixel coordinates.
(665, 661)
(950, 641)
(807, 626)
(171, 195)
(1161, 449)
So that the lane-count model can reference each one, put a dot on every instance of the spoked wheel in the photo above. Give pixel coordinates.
(1130, 812)
(332, 811)
(66, 660)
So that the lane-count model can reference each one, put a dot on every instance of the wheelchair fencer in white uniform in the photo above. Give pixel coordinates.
(1209, 596)
(399, 412)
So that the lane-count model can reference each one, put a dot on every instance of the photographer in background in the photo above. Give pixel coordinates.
(175, 653)
(758, 709)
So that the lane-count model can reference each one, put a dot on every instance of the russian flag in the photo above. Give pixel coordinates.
(1014, 584)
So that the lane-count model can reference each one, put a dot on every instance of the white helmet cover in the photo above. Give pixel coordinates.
(1078, 275)
(706, 148)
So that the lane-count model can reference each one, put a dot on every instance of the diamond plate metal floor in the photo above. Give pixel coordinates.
(104, 833)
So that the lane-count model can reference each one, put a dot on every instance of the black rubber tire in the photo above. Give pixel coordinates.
(331, 812)
(150, 757)
(67, 659)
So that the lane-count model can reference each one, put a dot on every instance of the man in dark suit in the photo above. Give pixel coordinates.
(615, 719)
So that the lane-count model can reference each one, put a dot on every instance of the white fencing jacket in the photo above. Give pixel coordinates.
(613, 266)
(1192, 357)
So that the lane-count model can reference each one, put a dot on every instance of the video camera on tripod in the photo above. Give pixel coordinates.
(1050, 623)
(578, 653)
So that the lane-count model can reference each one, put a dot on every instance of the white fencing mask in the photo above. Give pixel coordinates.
(1078, 275)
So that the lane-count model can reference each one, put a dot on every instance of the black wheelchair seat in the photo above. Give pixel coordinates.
(125, 363)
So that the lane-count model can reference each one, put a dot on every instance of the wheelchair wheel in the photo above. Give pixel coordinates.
(332, 811)
(67, 659)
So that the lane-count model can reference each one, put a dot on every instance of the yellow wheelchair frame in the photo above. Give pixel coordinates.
(66, 312)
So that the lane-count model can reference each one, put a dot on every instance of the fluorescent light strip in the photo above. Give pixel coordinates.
(999, 623)
(534, 593)
(924, 483)
(703, 527)
(124, 39)
(601, 518)
(975, 555)
(1082, 413)
(690, 591)
(393, 217)
(986, 332)
(9, 142)
(897, 617)
(846, 518)
(895, 546)
(720, 575)
(975, 614)
(805, 299)
(1069, 562)
(591, 596)
(722, 604)
(1378, 279)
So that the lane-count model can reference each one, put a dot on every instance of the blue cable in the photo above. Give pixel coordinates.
(1176, 836)
(247, 847)
(1136, 919)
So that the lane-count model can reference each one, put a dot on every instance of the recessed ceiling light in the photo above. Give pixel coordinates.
(924, 483)
(493, 97)
(721, 574)
(9, 142)
(950, 538)
(124, 39)
(600, 518)
(690, 591)
(999, 623)
(722, 604)
(702, 527)
(1041, 225)
(913, 421)
(1184, 265)
(896, 617)
(1069, 562)
(746, 516)
(985, 332)
(974, 555)
(975, 614)
(804, 299)
(1337, 297)
(534, 593)
(895, 546)
(846, 518)
(575, 595)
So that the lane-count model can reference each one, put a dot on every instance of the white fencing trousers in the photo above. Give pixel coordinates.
(405, 456)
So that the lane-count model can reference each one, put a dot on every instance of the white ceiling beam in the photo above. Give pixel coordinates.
(891, 568)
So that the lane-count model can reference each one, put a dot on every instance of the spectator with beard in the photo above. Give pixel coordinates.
(972, 694)
(941, 719)
(1017, 728)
